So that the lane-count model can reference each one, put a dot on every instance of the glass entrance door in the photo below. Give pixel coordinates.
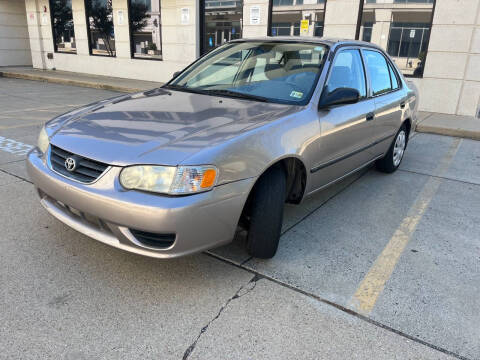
(222, 22)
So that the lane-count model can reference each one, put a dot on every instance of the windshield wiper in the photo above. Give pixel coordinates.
(186, 89)
(235, 94)
(219, 92)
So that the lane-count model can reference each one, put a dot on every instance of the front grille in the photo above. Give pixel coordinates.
(86, 171)
(160, 241)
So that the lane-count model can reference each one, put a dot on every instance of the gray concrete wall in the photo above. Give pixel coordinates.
(252, 29)
(451, 82)
(14, 43)
(341, 18)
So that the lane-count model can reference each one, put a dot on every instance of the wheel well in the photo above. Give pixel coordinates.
(296, 179)
(296, 176)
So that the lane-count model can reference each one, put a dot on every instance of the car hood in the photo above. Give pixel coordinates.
(159, 126)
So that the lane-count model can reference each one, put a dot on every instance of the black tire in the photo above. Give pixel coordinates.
(388, 164)
(266, 213)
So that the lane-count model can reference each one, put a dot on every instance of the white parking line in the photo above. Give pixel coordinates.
(14, 147)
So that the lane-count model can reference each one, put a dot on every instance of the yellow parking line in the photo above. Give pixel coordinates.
(374, 281)
(20, 125)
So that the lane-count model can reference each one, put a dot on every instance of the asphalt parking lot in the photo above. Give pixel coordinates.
(378, 266)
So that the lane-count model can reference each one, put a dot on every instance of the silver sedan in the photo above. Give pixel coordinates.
(222, 146)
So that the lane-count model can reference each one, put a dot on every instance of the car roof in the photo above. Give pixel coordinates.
(331, 42)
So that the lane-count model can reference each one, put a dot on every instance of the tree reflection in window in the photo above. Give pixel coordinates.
(145, 27)
(100, 23)
(62, 26)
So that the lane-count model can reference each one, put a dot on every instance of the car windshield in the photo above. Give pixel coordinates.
(283, 72)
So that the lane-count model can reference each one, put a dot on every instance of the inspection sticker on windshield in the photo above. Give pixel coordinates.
(296, 94)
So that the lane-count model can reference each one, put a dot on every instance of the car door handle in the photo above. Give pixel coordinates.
(370, 116)
(402, 105)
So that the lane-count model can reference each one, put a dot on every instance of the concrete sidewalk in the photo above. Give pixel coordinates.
(452, 125)
(434, 123)
(78, 79)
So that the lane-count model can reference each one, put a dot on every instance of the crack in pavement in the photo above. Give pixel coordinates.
(341, 308)
(244, 290)
(326, 301)
(18, 177)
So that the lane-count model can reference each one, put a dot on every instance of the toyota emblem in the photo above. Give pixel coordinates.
(70, 164)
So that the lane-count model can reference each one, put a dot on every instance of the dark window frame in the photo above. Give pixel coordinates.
(55, 46)
(130, 35)
(359, 24)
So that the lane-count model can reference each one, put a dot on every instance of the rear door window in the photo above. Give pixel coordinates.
(378, 71)
(393, 77)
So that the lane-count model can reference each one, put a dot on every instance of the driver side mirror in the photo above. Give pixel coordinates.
(339, 96)
(175, 74)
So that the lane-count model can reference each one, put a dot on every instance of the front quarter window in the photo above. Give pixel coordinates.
(283, 72)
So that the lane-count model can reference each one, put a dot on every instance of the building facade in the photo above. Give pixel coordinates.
(14, 37)
(436, 43)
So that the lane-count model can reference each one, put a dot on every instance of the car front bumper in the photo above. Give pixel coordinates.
(107, 212)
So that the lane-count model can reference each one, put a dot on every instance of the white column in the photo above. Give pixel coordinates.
(40, 33)
(341, 18)
(15, 48)
(381, 27)
(250, 26)
(121, 28)
(80, 27)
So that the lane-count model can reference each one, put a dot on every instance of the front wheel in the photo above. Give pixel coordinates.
(392, 159)
(266, 213)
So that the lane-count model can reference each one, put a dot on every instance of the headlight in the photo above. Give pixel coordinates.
(169, 179)
(43, 141)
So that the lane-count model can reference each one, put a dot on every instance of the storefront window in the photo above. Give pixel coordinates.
(287, 16)
(402, 28)
(145, 29)
(62, 26)
(222, 22)
(101, 34)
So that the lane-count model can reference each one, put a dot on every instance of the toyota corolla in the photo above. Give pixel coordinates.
(222, 146)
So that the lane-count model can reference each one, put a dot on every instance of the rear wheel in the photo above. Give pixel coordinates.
(265, 213)
(391, 161)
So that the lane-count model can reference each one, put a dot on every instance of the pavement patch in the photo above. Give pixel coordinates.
(433, 292)
(63, 292)
(271, 322)
(373, 283)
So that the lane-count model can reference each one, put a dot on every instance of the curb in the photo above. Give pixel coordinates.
(461, 133)
(88, 84)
